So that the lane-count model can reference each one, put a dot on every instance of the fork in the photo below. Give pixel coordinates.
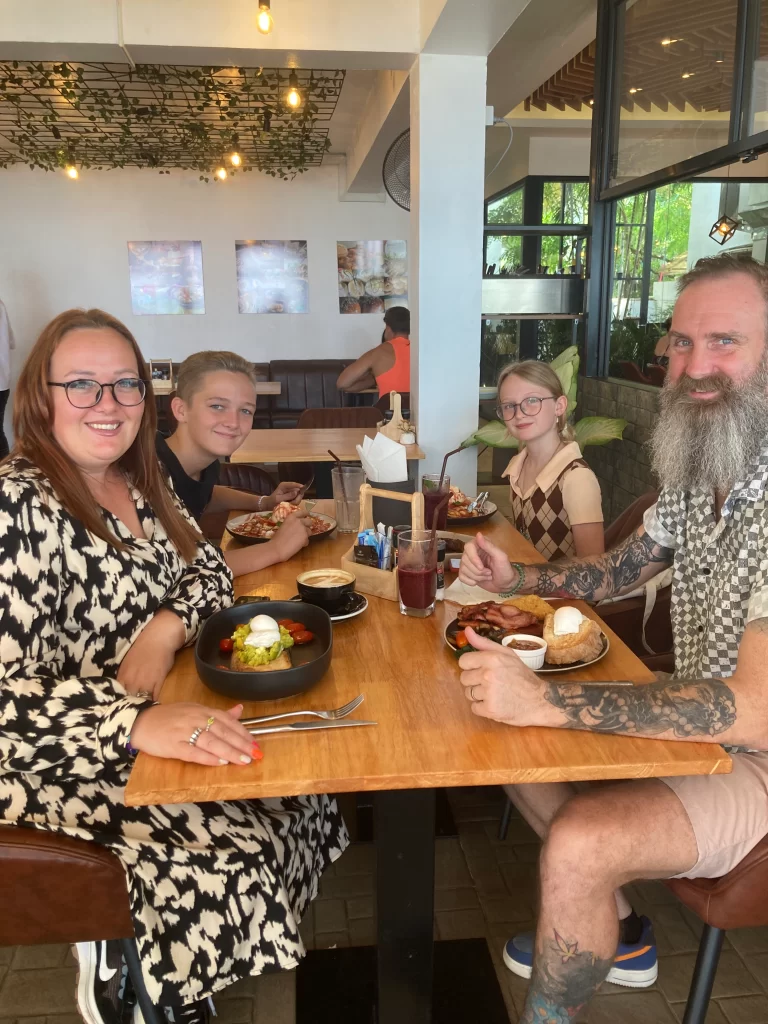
(329, 716)
(479, 501)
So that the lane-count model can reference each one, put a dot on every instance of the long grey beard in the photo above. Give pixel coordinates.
(710, 446)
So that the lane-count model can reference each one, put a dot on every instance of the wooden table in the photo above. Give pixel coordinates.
(427, 737)
(309, 445)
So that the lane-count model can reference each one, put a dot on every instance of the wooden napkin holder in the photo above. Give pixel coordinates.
(380, 582)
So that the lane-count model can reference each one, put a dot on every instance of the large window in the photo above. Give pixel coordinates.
(675, 83)
(506, 339)
(537, 201)
(659, 235)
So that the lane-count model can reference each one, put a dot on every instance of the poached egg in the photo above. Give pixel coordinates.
(567, 620)
(264, 632)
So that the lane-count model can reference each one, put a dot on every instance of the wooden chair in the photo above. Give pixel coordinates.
(57, 889)
(737, 900)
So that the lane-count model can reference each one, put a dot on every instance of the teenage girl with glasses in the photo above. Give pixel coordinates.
(555, 495)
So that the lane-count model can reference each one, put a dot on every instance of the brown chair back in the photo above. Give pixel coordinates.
(57, 889)
(329, 419)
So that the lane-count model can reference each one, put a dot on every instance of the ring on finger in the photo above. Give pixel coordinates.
(472, 697)
(195, 736)
(209, 723)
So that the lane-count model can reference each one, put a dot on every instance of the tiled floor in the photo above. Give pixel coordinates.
(483, 888)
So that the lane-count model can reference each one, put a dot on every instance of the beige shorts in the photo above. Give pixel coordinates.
(728, 813)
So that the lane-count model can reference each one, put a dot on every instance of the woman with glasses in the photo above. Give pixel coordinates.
(555, 495)
(103, 578)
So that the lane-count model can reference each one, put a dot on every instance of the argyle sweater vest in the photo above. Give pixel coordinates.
(542, 519)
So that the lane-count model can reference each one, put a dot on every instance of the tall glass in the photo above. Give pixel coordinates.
(433, 495)
(417, 572)
(346, 482)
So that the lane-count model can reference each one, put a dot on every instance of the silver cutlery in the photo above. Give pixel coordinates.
(330, 716)
(304, 726)
(479, 501)
(309, 504)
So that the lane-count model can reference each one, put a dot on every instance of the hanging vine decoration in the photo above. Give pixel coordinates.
(103, 116)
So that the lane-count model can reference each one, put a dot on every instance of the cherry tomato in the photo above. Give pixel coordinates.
(303, 637)
(285, 623)
(461, 639)
(295, 627)
(226, 644)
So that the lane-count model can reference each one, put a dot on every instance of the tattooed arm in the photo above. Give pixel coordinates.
(733, 711)
(634, 561)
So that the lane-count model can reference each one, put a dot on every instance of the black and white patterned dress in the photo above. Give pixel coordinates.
(216, 890)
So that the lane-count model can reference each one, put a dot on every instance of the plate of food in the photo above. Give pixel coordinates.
(572, 639)
(264, 650)
(458, 508)
(259, 527)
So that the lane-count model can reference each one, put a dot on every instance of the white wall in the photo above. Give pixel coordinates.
(559, 154)
(64, 245)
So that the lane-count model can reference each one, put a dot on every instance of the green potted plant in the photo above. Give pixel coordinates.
(588, 430)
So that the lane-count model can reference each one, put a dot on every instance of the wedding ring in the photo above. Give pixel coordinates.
(472, 696)
(195, 736)
(209, 723)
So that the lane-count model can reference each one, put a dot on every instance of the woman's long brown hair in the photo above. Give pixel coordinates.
(35, 442)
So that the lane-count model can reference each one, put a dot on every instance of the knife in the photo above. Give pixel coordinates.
(302, 726)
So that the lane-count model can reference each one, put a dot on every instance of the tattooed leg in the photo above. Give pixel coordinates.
(600, 840)
(565, 977)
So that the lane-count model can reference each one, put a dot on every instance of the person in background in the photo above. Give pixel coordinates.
(6, 344)
(556, 499)
(388, 366)
(104, 578)
(214, 405)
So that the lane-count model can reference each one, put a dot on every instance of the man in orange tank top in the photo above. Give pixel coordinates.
(388, 366)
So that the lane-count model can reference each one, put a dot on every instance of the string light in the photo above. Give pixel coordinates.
(221, 173)
(293, 97)
(235, 159)
(72, 172)
(264, 20)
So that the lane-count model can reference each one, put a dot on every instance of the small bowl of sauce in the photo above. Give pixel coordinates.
(529, 649)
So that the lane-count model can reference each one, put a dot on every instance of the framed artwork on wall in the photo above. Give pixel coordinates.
(373, 276)
(166, 278)
(272, 276)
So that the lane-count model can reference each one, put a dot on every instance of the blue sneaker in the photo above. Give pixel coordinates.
(635, 964)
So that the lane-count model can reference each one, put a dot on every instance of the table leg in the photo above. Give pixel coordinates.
(405, 890)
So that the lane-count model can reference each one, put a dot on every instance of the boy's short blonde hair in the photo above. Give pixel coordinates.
(195, 368)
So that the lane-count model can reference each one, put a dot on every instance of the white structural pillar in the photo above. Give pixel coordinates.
(447, 170)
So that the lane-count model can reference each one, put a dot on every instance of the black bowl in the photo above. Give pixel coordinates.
(330, 598)
(310, 661)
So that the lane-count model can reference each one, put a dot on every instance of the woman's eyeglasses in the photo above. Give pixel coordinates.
(84, 394)
(530, 406)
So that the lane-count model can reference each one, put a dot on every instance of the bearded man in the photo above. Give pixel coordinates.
(710, 451)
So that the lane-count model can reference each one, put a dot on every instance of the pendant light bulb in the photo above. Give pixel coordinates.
(264, 19)
(72, 172)
(221, 173)
(293, 97)
(235, 159)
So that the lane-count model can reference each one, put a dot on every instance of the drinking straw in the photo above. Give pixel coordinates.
(435, 514)
(341, 475)
(445, 462)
